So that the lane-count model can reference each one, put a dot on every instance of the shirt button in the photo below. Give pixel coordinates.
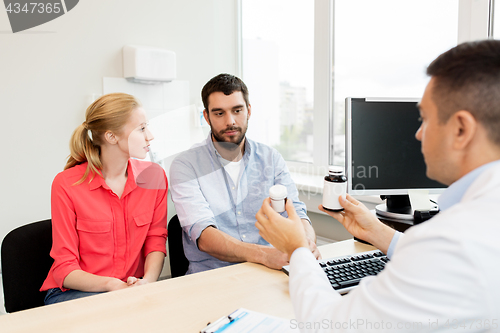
(232, 188)
(239, 213)
(244, 236)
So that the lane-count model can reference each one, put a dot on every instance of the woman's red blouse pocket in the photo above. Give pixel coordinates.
(94, 236)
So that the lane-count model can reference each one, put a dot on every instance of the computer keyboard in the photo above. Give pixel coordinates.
(345, 272)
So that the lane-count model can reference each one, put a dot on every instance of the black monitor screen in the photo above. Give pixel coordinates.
(385, 155)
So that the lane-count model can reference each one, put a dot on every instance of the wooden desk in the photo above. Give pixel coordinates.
(184, 304)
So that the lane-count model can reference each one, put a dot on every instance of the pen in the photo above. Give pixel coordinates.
(216, 325)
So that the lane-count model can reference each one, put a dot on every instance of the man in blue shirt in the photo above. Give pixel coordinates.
(218, 186)
(443, 273)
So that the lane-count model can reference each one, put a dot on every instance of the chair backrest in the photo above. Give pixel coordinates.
(178, 261)
(25, 264)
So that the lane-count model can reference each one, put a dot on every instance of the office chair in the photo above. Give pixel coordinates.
(25, 264)
(178, 261)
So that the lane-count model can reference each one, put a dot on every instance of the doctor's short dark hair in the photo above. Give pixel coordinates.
(225, 83)
(467, 77)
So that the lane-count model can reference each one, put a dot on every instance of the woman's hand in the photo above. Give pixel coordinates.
(133, 281)
(115, 284)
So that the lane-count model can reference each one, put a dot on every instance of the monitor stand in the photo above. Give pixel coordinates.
(396, 207)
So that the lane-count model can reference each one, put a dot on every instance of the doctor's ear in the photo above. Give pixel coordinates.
(465, 126)
(110, 137)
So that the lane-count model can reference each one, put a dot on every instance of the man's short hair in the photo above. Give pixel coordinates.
(467, 77)
(225, 83)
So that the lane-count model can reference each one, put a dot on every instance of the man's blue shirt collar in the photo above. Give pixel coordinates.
(215, 153)
(456, 191)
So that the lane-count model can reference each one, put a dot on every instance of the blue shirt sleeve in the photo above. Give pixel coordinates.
(283, 177)
(394, 241)
(192, 208)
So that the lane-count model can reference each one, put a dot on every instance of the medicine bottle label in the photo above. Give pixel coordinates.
(278, 205)
(331, 193)
(278, 194)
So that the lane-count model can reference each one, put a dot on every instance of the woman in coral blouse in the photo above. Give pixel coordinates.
(109, 210)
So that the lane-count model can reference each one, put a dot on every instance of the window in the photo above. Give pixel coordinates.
(278, 68)
(496, 19)
(301, 59)
(382, 49)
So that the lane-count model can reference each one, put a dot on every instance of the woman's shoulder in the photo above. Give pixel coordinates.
(71, 175)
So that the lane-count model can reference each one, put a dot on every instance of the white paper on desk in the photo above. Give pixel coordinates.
(246, 321)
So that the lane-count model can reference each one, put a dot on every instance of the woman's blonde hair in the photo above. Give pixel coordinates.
(108, 113)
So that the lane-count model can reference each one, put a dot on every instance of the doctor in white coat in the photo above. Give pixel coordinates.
(444, 274)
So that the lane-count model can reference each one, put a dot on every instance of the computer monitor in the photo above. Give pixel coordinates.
(383, 157)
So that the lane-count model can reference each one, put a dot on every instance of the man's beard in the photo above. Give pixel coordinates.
(229, 145)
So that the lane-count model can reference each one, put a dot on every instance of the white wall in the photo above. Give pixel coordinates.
(48, 74)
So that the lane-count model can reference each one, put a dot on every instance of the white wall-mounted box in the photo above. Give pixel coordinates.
(148, 65)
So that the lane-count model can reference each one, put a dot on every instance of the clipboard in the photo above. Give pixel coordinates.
(243, 321)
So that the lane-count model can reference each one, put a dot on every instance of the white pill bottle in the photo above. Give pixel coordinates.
(278, 194)
(335, 185)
